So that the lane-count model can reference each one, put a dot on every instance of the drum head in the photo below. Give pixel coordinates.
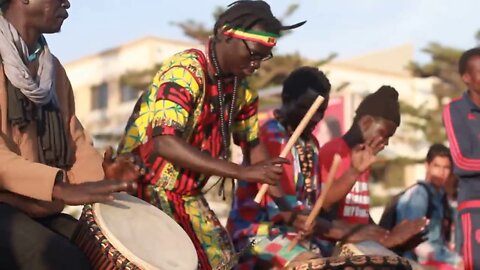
(144, 234)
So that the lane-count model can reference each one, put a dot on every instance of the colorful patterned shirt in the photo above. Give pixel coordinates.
(183, 101)
(461, 118)
(355, 207)
(248, 219)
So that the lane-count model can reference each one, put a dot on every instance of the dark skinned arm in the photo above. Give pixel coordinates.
(258, 154)
(181, 153)
(341, 187)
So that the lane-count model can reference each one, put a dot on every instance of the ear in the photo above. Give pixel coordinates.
(466, 78)
(365, 122)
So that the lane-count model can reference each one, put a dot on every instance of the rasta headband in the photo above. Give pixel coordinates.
(267, 39)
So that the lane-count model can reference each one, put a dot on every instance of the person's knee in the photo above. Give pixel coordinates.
(62, 254)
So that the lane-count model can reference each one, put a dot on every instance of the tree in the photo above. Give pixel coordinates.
(448, 84)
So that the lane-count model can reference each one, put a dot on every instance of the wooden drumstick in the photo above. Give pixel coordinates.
(296, 134)
(319, 203)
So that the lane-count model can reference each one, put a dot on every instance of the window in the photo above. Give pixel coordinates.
(100, 97)
(128, 93)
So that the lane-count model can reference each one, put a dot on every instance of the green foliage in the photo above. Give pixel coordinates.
(448, 84)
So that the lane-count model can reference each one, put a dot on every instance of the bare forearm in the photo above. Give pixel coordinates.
(258, 154)
(341, 187)
(182, 154)
(31, 207)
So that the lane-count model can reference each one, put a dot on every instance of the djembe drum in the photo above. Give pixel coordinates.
(369, 248)
(358, 262)
(129, 233)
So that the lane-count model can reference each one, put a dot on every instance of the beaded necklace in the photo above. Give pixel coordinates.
(305, 156)
(224, 125)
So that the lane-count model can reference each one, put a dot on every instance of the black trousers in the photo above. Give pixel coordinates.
(38, 244)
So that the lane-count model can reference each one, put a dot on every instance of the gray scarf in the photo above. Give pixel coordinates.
(32, 99)
(12, 47)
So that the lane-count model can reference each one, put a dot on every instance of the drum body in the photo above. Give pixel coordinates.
(370, 248)
(359, 262)
(363, 248)
(129, 233)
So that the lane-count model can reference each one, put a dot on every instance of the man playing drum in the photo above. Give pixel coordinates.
(376, 120)
(46, 158)
(300, 182)
(181, 126)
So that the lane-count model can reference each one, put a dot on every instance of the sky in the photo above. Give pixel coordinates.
(346, 27)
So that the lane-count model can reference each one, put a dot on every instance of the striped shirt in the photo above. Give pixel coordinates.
(461, 118)
(354, 208)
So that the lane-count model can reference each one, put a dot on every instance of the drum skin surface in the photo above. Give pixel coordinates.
(144, 234)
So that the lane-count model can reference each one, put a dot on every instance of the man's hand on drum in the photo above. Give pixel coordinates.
(268, 172)
(405, 231)
(90, 192)
(125, 167)
(367, 232)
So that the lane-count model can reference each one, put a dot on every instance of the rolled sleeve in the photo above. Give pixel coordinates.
(173, 106)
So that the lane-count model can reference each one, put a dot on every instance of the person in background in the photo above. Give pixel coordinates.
(461, 120)
(428, 199)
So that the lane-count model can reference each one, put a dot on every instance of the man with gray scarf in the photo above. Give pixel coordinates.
(46, 160)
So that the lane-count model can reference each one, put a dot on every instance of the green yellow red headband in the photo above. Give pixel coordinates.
(267, 39)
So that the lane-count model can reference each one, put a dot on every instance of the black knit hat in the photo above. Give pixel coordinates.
(383, 103)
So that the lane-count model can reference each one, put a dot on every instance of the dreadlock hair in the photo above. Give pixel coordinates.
(466, 56)
(302, 79)
(246, 14)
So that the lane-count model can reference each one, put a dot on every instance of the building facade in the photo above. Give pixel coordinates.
(106, 85)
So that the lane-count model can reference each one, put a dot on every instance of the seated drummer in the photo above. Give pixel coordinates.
(181, 126)
(376, 120)
(271, 224)
(46, 159)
